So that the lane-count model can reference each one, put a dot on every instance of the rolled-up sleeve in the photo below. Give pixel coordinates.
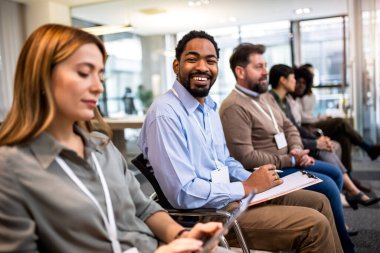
(145, 206)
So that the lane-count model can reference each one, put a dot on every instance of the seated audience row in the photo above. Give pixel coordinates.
(64, 187)
(183, 139)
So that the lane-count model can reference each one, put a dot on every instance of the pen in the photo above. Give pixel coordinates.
(278, 171)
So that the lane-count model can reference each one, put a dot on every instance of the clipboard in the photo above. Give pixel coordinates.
(228, 224)
(293, 182)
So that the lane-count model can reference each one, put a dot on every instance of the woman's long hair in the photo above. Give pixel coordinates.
(33, 107)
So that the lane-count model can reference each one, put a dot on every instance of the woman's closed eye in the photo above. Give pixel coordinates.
(82, 74)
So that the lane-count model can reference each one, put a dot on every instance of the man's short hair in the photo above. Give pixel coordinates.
(241, 54)
(194, 35)
(276, 72)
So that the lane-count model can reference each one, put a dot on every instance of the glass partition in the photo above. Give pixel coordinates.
(322, 44)
(123, 75)
(274, 35)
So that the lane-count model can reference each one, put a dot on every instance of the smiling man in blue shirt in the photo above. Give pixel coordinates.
(183, 139)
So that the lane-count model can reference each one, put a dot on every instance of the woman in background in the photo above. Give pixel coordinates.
(335, 128)
(63, 186)
(283, 82)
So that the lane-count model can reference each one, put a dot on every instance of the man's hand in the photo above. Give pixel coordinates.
(324, 143)
(302, 157)
(262, 179)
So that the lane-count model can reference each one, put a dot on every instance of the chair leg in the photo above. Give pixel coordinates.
(240, 238)
(224, 243)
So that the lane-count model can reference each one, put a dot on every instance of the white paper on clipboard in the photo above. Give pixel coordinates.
(293, 182)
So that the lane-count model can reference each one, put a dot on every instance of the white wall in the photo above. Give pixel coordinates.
(11, 39)
(41, 12)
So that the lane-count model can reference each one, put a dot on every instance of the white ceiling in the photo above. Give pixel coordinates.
(178, 16)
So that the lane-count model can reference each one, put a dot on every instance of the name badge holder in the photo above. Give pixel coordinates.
(109, 221)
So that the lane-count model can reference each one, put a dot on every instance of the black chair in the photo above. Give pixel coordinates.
(142, 165)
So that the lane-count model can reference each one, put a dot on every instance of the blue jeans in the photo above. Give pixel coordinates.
(331, 186)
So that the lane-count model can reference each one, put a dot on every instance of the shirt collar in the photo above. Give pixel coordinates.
(46, 148)
(189, 102)
(247, 91)
(277, 97)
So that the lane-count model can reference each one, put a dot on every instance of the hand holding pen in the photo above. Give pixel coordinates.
(262, 179)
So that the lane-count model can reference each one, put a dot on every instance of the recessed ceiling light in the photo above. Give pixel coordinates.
(302, 11)
(193, 3)
(108, 29)
(152, 11)
(306, 10)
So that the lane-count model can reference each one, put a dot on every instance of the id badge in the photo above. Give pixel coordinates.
(220, 174)
(132, 250)
(280, 140)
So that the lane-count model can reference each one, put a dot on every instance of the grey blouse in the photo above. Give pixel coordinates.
(43, 210)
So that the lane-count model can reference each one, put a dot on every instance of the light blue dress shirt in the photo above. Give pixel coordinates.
(183, 157)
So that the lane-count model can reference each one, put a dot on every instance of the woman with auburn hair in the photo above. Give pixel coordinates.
(63, 186)
(33, 106)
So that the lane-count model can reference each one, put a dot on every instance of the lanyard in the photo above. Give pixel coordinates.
(110, 221)
(271, 117)
(213, 150)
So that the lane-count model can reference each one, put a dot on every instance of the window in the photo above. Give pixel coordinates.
(275, 36)
(123, 74)
(322, 45)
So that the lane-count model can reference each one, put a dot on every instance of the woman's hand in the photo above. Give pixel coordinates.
(182, 245)
(193, 240)
(324, 143)
(204, 231)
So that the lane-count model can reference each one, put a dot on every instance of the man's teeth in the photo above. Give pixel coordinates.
(198, 78)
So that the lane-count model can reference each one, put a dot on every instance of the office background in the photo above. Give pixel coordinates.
(339, 37)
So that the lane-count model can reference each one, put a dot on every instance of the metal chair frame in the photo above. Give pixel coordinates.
(142, 165)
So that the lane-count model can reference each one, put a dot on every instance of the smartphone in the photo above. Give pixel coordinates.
(228, 224)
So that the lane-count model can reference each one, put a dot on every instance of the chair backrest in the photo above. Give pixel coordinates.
(142, 165)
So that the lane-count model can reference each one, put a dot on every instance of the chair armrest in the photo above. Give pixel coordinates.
(202, 212)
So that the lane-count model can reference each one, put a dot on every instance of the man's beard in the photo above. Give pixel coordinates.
(258, 86)
(197, 92)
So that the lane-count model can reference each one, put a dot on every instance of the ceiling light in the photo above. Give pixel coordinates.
(193, 3)
(108, 29)
(152, 11)
(302, 11)
(306, 10)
